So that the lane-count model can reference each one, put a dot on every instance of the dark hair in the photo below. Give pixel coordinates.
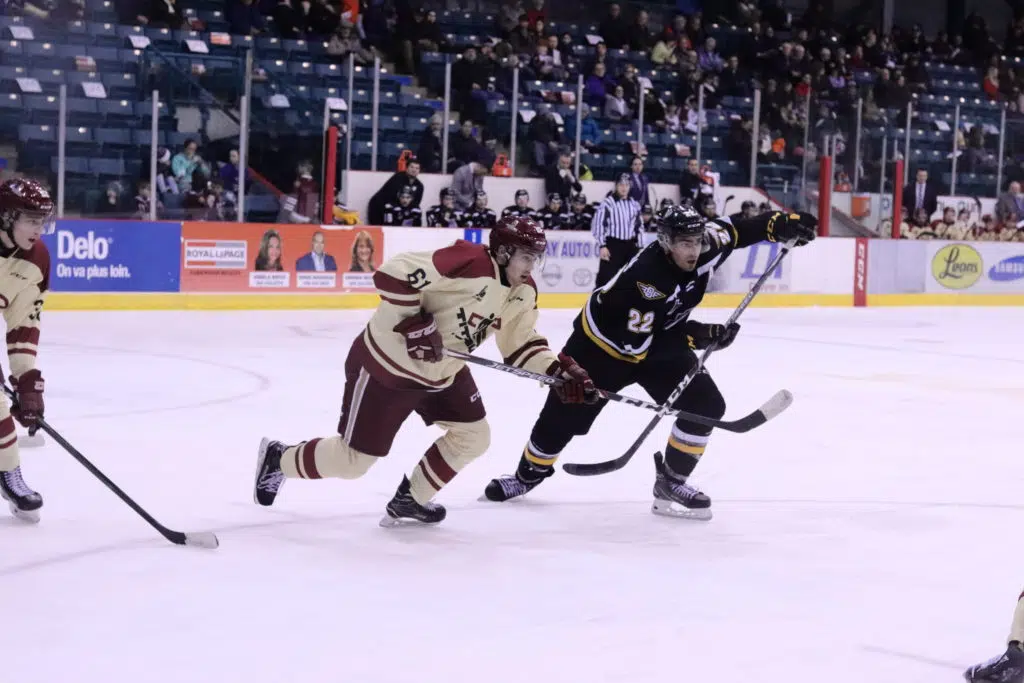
(263, 257)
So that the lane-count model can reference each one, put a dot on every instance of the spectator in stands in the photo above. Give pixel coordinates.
(558, 177)
(155, 13)
(545, 138)
(464, 146)
(590, 132)
(671, 33)
(672, 122)
(287, 21)
(113, 203)
(708, 57)
(991, 83)
(244, 17)
(185, 163)
(1010, 206)
(641, 38)
(521, 38)
(695, 29)
(543, 64)
(469, 80)
(166, 184)
(733, 81)
(307, 191)
(229, 171)
(389, 191)
(598, 86)
(613, 29)
(692, 186)
(615, 107)
(639, 182)
(630, 87)
(921, 194)
(537, 12)
(196, 202)
(430, 152)
(467, 181)
(538, 32)
(144, 200)
(508, 17)
(345, 41)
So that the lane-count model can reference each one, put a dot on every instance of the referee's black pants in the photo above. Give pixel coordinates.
(621, 251)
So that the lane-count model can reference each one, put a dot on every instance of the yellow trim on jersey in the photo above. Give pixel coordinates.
(605, 346)
(537, 460)
(685, 447)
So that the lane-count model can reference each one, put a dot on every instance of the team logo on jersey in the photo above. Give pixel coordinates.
(649, 292)
(479, 296)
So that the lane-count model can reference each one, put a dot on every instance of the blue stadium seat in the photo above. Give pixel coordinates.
(113, 138)
(107, 167)
(28, 132)
(118, 112)
(84, 111)
(72, 165)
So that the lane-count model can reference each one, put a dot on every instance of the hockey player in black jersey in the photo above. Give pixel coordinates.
(521, 208)
(403, 213)
(553, 216)
(479, 216)
(445, 215)
(581, 214)
(636, 329)
(647, 222)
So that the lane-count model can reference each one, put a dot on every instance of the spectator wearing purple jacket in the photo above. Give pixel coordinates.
(708, 58)
(599, 84)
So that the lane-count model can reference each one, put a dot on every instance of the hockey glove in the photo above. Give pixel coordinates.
(28, 404)
(783, 227)
(577, 386)
(422, 338)
(702, 335)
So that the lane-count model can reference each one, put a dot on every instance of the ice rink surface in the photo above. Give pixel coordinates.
(869, 534)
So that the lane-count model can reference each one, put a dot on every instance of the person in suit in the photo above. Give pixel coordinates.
(391, 188)
(1010, 207)
(316, 260)
(639, 183)
(921, 194)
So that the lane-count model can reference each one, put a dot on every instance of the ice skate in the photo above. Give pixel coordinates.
(403, 509)
(269, 477)
(509, 486)
(675, 498)
(1006, 668)
(24, 502)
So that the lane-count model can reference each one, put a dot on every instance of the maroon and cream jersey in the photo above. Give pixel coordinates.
(461, 286)
(24, 279)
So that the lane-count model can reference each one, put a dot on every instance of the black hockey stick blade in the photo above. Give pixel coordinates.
(769, 410)
(204, 539)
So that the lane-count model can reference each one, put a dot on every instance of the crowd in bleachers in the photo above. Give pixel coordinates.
(631, 59)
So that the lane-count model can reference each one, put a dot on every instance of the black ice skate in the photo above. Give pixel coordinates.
(675, 498)
(403, 508)
(509, 486)
(1006, 668)
(269, 476)
(24, 502)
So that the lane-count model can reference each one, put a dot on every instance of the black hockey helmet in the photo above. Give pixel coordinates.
(406, 191)
(676, 222)
(666, 203)
(446, 193)
(579, 199)
(522, 193)
(554, 197)
(646, 210)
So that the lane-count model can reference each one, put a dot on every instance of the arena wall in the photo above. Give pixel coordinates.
(109, 265)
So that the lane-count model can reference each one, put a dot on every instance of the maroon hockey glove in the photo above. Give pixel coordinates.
(422, 339)
(577, 387)
(703, 335)
(28, 406)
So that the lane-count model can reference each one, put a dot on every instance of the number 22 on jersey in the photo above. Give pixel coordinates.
(640, 323)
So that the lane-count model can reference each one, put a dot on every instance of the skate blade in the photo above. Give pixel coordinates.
(667, 508)
(27, 516)
(31, 441)
(389, 522)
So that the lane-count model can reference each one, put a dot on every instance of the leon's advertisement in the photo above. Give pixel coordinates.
(976, 268)
(243, 257)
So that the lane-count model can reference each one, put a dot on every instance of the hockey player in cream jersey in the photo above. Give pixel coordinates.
(455, 297)
(25, 213)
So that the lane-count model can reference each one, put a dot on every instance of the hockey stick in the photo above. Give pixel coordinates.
(781, 399)
(203, 539)
(775, 405)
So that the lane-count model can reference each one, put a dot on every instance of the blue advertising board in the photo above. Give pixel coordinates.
(114, 256)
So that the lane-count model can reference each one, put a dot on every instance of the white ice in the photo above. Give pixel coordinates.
(868, 535)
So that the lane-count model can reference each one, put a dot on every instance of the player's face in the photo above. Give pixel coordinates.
(521, 265)
(405, 200)
(522, 201)
(448, 202)
(556, 205)
(27, 230)
(481, 202)
(685, 251)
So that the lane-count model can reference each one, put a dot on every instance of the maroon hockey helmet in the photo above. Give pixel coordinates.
(22, 196)
(517, 232)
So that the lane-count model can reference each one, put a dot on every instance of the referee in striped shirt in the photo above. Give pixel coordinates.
(616, 227)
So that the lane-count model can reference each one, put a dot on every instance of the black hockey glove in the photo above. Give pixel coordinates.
(783, 227)
(702, 335)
